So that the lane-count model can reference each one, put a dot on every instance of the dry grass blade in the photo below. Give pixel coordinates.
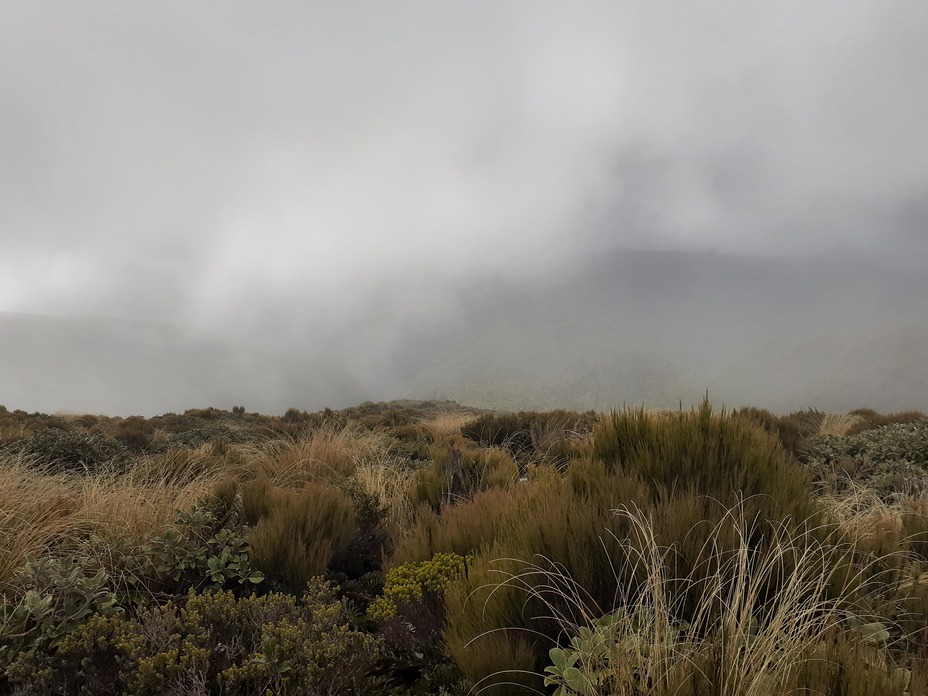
(443, 425)
(838, 423)
(389, 484)
(739, 638)
(330, 454)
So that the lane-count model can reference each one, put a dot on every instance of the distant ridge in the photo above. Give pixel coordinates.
(125, 367)
(663, 327)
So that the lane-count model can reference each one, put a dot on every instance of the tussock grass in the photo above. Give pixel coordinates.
(387, 482)
(330, 453)
(737, 641)
(41, 511)
(442, 425)
(838, 423)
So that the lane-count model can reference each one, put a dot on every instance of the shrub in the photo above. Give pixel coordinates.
(200, 551)
(211, 643)
(53, 598)
(719, 456)
(897, 442)
(459, 470)
(59, 450)
(411, 610)
(411, 582)
(298, 533)
(868, 419)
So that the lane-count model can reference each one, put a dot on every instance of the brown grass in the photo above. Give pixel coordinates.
(40, 511)
(838, 423)
(388, 483)
(445, 424)
(329, 454)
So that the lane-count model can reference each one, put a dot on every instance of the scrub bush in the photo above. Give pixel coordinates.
(459, 470)
(211, 643)
(686, 469)
(297, 533)
(78, 452)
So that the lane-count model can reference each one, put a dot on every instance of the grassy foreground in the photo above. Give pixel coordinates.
(425, 548)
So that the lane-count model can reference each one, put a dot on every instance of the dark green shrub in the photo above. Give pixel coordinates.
(211, 643)
(79, 452)
(52, 598)
(200, 552)
(890, 460)
(298, 533)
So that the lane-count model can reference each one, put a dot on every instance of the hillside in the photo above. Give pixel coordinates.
(659, 328)
(137, 367)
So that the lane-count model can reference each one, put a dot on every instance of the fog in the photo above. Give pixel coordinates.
(513, 204)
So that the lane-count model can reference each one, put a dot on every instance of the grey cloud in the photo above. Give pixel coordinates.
(332, 177)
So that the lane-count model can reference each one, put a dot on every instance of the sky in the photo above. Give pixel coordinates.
(297, 166)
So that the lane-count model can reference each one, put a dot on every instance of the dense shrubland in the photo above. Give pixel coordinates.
(423, 548)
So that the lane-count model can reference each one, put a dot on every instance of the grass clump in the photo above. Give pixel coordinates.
(683, 468)
(459, 469)
(704, 453)
(738, 640)
(297, 534)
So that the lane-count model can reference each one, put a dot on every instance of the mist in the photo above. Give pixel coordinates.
(511, 204)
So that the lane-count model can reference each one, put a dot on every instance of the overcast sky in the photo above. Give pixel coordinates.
(219, 163)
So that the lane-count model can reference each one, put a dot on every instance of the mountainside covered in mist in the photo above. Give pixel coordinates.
(650, 327)
(127, 367)
(658, 328)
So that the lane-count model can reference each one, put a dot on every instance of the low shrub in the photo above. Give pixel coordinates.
(201, 551)
(80, 452)
(51, 599)
(459, 470)
(211, 643)
(297, 533)
(410, 583)
(868, 419)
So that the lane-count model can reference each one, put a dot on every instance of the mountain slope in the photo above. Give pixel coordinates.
(124, 367)
(660, 328)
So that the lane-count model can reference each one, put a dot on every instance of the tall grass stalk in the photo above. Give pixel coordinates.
(41, 510)
(327, 454)
(739, 640)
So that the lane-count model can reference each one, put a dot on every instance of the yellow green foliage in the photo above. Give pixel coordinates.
(410, 582)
